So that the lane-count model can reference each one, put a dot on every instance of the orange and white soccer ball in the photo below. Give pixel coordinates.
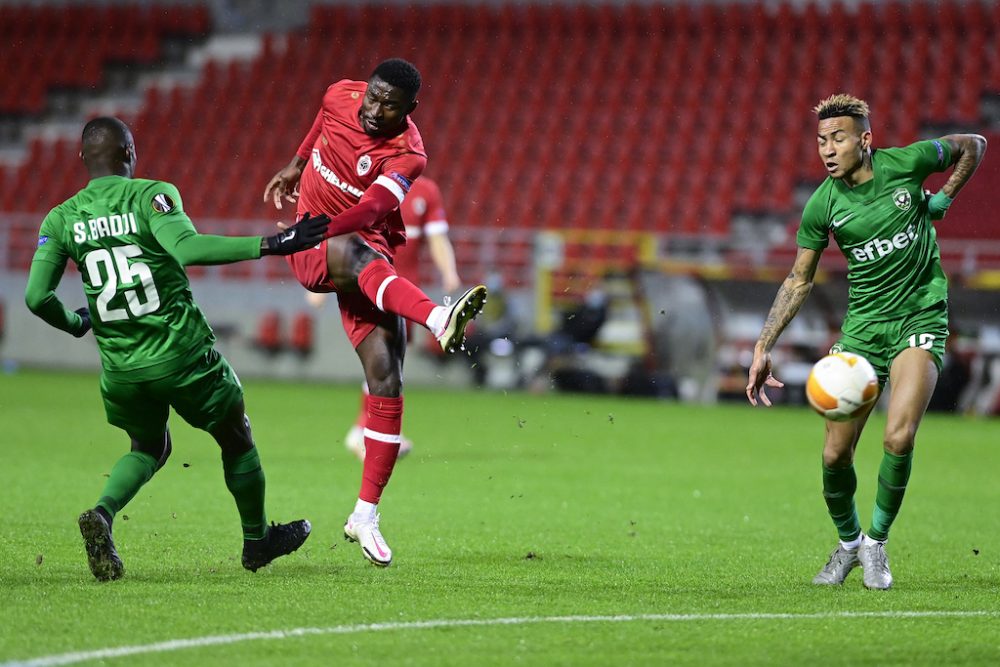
(841, 386)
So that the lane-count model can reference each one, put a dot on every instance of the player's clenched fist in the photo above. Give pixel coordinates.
(306, 233)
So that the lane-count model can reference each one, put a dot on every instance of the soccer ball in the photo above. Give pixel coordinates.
(841, 386)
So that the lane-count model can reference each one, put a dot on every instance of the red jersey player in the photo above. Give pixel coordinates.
(357, 164)
(425, 220)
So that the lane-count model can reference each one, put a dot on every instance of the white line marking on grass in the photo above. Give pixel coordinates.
(217, 640)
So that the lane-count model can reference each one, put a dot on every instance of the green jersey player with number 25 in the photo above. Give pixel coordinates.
(874, 206)
(131, 240)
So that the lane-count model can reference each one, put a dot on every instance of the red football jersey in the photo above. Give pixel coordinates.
(423, 214)
(343, 162)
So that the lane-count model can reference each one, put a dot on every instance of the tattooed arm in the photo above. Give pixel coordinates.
(967, 152)
(791, 295)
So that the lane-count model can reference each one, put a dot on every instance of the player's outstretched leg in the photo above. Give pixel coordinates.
(102, 556)
(280, 539)
(875, 564)
(392, 293)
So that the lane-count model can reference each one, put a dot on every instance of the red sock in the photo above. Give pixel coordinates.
(382, 427)
(392, 293)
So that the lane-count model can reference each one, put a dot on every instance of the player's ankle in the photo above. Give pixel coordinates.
(437, 320)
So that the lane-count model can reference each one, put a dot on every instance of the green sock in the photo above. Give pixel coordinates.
(126, 478)
(892, 477)
(839, 485)
(245, 480)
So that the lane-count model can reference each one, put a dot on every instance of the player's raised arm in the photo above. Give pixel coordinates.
(967, 151)
(791, 295)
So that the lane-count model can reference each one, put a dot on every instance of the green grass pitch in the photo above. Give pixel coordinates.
(700, 526)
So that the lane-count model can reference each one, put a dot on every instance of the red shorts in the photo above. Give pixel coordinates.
(358, 315)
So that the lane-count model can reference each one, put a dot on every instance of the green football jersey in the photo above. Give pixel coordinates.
(883, 229)
(144, 317)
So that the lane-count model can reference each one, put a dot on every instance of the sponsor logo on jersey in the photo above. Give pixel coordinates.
(42, 240)
(327, 175)
(364, 165)
(876, 249)
(901, 198)
(403, 181)
(162, 203)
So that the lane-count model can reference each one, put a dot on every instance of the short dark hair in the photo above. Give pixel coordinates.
(105, 130)
(399, 73)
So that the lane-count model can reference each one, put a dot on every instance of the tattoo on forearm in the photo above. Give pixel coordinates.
(971, 156)
(791, 295)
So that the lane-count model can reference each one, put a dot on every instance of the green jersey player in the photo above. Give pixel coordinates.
(874, 205)
(131, 240)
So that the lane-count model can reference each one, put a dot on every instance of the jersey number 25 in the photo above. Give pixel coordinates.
(120, 272)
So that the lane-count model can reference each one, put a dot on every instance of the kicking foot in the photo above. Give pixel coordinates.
(460, 313)
(101, 553)
(354, 441)
(875, 563)
(841, 562)
(366, 533)
(281, 539)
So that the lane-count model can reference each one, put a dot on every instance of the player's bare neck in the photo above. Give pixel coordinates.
(861, 175)
(97, 171)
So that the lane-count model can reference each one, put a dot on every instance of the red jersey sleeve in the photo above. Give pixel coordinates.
(399, 172)
(305, 148)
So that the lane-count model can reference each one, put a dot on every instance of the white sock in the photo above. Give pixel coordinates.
(437, 320)
(853, 544)
(364, 510)
(870, 540)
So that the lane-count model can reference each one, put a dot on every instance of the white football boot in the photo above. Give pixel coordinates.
(460, 313)
(366, 533)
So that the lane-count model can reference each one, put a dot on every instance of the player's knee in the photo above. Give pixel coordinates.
(899, 440)
(390, 386)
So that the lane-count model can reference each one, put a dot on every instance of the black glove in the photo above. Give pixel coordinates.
(85, 314)
(306, 233)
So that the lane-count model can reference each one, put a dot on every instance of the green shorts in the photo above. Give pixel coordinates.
(881, 342)
(202, 395)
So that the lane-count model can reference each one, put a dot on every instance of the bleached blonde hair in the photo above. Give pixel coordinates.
(842, 104)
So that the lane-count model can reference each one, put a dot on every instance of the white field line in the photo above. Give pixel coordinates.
(217, 640)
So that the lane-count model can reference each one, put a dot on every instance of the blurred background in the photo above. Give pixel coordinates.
(626, 177)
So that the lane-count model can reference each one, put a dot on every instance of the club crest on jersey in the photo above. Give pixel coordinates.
(901, 198)
(42, 240)
(364, 165)
(162, 203)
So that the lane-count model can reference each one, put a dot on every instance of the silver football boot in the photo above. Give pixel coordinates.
(875, 563)
(841, 562)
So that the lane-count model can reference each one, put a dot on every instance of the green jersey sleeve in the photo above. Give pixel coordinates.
(814, 229)
(174, 231)
(923, 158)
(47, 268)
